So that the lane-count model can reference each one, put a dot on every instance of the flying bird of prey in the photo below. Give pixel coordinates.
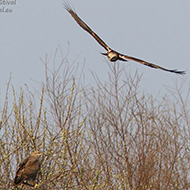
(28, 169)
(112, 54)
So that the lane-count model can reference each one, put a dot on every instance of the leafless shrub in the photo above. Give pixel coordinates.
(138, 142)
(110, 136)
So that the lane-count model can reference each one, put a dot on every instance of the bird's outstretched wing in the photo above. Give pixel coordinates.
(150, 64)
(85, 26)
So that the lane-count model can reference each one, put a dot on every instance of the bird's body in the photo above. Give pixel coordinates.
(112, 54)
(28, 169)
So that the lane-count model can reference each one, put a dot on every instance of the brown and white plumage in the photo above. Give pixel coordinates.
(28, 169)
(112, 54)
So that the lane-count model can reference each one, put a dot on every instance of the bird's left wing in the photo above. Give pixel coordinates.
(19, 177)
(85, 26)
(22, 164)
(150, 64)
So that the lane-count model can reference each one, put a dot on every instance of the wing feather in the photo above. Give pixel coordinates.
(19, 176)
(150, 64)
(85, 26)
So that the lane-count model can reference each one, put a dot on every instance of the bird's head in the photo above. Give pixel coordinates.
(36, 154)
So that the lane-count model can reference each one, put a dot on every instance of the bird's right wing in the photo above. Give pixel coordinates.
(85, 26)
(150, 64)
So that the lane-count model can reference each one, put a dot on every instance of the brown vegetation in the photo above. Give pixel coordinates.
(110, 136)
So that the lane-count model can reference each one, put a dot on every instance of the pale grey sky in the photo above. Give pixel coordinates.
(156, 31)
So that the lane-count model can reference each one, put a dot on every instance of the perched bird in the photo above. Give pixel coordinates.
(28, 169)
(112, 54)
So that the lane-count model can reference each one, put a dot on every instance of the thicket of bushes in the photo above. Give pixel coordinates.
(109, 136)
